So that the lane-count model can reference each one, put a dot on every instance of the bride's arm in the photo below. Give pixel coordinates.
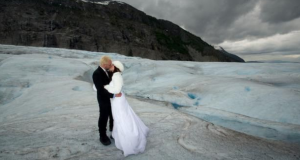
(118, 83)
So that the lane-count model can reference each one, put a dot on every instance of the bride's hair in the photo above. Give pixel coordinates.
(116, 70)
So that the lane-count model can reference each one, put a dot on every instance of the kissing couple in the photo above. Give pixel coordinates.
(128, 130)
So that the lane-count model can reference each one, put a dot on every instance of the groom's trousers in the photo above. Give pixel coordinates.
(105, 113)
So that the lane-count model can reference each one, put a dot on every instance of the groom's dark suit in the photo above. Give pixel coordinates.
(100, 79)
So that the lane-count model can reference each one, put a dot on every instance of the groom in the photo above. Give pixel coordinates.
(101, 77)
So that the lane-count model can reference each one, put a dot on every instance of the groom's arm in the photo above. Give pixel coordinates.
(100, 86)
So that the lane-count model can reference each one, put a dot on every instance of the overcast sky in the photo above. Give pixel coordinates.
(251, 29)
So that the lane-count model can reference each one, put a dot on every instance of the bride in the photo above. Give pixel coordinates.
(129, 132)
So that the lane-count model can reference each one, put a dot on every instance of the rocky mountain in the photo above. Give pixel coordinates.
(232, 56)
(106, 26)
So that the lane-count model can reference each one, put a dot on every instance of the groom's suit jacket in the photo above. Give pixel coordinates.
(100, 79)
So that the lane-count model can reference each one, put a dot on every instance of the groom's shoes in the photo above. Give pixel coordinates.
(105, 140)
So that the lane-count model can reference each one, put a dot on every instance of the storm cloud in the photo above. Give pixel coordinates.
(277, 11)
(242, 27)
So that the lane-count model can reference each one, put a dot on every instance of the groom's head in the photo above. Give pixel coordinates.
(105, 62)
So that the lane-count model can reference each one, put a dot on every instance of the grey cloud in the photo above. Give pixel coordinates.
(218, 21)
(285, 44)
(275, 11)
(204, 18)
(215, 20)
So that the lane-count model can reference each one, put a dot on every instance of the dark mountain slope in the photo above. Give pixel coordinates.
(116, 27)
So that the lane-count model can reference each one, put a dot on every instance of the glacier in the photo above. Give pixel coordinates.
(195, 110)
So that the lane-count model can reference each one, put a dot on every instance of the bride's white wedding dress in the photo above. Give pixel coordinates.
(129, 132)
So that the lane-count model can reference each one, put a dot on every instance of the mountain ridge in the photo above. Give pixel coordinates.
(110, 27)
